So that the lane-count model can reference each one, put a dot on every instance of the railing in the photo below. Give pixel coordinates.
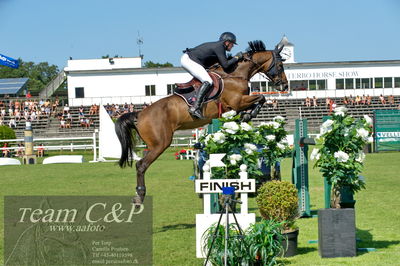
(53, 85)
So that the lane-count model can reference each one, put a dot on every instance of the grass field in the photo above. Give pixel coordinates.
(176, 204)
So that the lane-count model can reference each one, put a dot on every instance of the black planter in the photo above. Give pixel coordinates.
(289, 244)
(346, 198)
(336, 233)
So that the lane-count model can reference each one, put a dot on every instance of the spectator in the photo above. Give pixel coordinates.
(315, 103)
(5, 151)
(391, 100)
(382, 99)
(3, 112)
(66, 109)
(62, 123)
(59, 115)
(20, 150)
(327, 102)
(345, 100)
(83, 122)
(68, 123)
(12, 123)
(358, 100)
(351, 100)
(308, 102)
(1, 121)
(364, 100)
(40, 150)
(275, 103)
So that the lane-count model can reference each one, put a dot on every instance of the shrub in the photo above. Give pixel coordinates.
(278, 200)
(6, 133)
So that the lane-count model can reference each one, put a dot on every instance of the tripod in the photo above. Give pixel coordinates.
(227, 200)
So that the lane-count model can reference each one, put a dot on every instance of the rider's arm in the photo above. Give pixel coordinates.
(225, 63)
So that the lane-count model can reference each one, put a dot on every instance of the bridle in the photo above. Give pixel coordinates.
(272, 69)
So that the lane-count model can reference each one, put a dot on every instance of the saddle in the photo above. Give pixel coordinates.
(188, 91)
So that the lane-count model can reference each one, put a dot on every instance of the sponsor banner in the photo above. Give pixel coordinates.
(77, 230)
(388, 136)
(8, 61)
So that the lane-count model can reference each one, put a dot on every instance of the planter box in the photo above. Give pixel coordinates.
(336, 233)
(290, 243)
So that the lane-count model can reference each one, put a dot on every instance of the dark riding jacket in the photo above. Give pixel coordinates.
(210, 53)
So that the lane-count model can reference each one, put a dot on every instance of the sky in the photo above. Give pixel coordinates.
(322, 31)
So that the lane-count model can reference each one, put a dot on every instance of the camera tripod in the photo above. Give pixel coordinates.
(227, 200)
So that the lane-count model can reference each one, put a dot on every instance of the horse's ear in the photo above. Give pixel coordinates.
(278, 48)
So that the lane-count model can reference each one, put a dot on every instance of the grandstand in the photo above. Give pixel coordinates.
(290, 109)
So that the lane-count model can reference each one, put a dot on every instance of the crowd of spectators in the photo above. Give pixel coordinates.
(84, 118)
(116, 110)
(26, 110)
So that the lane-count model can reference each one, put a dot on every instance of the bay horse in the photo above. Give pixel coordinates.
(157, 123)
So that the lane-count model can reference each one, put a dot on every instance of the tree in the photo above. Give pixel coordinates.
(39, 74)
(151, 64)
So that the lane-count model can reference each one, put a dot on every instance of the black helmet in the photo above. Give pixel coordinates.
(228, 36)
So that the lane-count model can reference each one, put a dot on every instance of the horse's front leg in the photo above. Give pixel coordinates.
(254, 103)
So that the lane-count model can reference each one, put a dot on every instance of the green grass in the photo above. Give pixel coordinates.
(176, 204)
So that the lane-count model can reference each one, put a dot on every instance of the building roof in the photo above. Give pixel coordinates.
(12, 86)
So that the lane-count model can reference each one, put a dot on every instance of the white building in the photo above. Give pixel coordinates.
(120, 80)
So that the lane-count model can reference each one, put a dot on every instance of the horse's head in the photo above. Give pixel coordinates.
(270, 63)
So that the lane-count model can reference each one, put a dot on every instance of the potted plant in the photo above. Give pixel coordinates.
(260, 245)
(278, 200)
(341, 155)
(340, 159)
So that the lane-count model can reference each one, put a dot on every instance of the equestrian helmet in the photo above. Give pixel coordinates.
(228, 36)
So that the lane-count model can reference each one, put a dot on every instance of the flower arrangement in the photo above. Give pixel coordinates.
(341, 156)
(244, 144)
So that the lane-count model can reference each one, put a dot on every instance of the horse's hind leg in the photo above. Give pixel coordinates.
(254, 103)
(158, 138)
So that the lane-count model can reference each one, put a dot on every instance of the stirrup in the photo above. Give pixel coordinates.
(196, 113)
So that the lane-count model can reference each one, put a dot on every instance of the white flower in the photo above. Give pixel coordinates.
(362, 133)
(231, 127)
(235, 157)
(326, 126)
(341, 156)
(278, 119)
(250, 148)
(315, 155)
(233, 162)
(281, 146)
(275, 125)
(341, 110)
(229, 115)
(270, 137)
(243, 168)
(368, 120)
(245, 126)
(219, 137)
(360, 157)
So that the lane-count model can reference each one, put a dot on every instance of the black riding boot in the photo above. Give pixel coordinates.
(195, 110)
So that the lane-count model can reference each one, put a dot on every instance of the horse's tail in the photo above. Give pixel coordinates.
(123, 127)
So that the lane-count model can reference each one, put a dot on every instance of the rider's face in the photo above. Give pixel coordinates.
(229, 45)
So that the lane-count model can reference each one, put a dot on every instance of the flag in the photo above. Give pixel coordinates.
(8, 61)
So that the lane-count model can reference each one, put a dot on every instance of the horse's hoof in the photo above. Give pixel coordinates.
(246, 117)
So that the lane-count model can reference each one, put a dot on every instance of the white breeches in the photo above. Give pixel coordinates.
(195, 69)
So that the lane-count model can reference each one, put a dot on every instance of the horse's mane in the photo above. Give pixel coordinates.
(255, 46)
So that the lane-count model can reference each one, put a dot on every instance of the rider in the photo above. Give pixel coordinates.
(196, 60)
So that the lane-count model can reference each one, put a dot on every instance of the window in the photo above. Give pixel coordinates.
(258, 86)
(312, 85)
(349, 83)
(397, 82)
(170, 89)
(378, 83)
(388, 82)
(299, 85)
(79, 92)
(339, 84)
(150, 90)
(321, 84)
(358, 83)
(366, 83)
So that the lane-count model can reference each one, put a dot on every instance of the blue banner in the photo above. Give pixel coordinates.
(8, 61)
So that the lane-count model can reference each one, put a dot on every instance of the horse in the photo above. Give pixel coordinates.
(157, 123)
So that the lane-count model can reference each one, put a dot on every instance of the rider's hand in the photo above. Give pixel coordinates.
(239, 56)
